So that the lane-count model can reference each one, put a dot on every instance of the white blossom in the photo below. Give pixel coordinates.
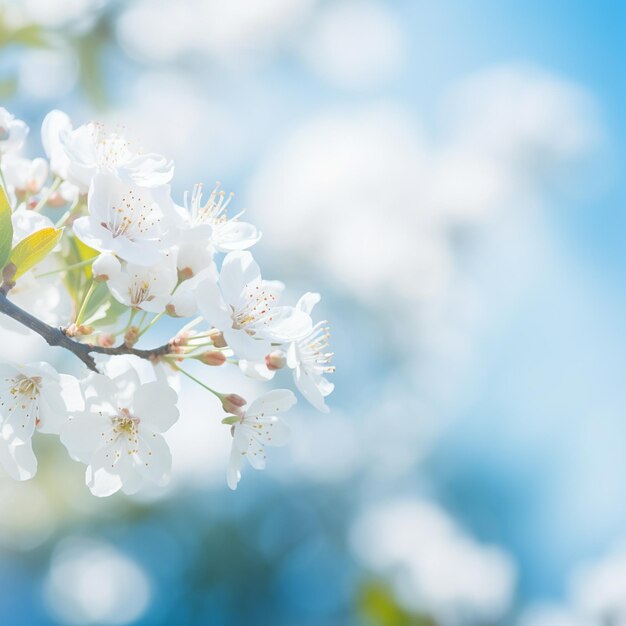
(245, 308)
(105, 267)
(91, 149)
(119, 434)
(32, 396)
(309, 359)
(148, 288)
(127, 220)
(209, 222)
(256, 427)
(53, 126)
(13, 132)
(25, 176)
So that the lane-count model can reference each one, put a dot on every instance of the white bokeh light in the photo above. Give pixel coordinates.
(355, 44)
(91, 582)
(231, 32)
(48, 73)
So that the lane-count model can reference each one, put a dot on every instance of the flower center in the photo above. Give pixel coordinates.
(112, 150)
(257, 308)
(125, 425)
(28, 387)
(140, 292)
(214, 210)
(313, 348)
(131, 217)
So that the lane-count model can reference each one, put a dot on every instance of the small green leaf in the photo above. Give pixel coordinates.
(34, 249)
(231, 419)
(6, 229)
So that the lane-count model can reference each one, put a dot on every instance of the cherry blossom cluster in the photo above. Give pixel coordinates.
(96, 254)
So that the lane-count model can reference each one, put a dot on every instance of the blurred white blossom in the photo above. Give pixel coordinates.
(434, 566)
(91, 582)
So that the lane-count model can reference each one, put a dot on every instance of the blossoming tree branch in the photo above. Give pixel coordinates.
(94, 254)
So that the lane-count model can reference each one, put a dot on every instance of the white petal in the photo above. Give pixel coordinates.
(256, 369)
(106, 266)
(18, 461)
(234, 235)
(55, 123)
(308, 386)
(235, 463)
(238, 270)
(287, 324)
(244, 345)
(84, 434)
(272, 402)
(211, 304)
(20, 415)
(256, 454)
(155, 405)
(307, 302)
(101, 475)
(269, 430)
(154, 459)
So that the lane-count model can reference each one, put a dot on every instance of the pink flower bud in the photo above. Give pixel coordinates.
(232, 403)
(132, 336)
(276, 360)
(213, 358)
(217, 338)
(106, 340)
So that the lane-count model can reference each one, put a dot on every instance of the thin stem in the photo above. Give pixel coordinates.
(44, 199)
(142, 319)
(195, 380)
(83, 306)
(131, 317)
(152, 322)
(68, 213)
(65, 269)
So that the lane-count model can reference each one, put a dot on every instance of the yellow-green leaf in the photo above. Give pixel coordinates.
(34, 249)
(6, 229)
(85, 253)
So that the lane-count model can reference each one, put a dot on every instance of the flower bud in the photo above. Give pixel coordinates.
(276, 360)
(105, 267)
(185, 273)
(232, 403)
(217, 338)
(213, 357)
(106, 340)
(131, 336)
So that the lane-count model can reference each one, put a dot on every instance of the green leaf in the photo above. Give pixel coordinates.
(6, 229)
(231, 419)
(8, 86)
(34, 249)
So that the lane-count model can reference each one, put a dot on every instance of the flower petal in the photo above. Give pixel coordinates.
(155, 405)
(238, 270)
(272, 402)
(18, 461)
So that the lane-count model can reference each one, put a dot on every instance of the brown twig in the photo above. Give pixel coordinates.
(56, 337)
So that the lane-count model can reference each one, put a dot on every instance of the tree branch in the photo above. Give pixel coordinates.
(56, 337)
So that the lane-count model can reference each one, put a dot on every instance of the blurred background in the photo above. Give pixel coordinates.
(449, 175)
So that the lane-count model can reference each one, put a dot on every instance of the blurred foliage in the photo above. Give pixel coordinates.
(30, 35)
(378, 607)
(88, 46)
